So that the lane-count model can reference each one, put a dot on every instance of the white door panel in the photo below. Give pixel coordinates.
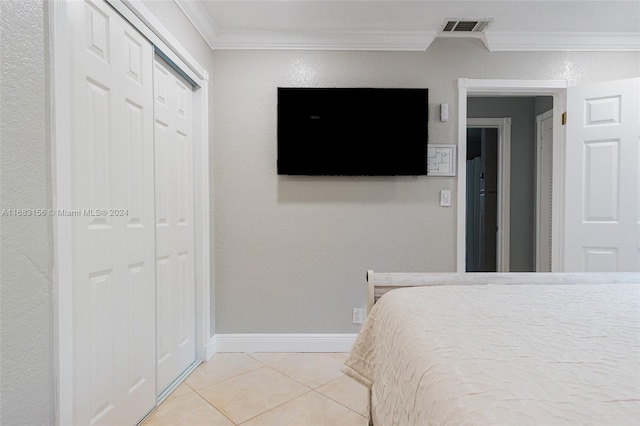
(174, 224)
(602, 226)
(113, 267)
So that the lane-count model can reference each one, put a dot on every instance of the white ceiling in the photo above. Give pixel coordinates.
(539, 25)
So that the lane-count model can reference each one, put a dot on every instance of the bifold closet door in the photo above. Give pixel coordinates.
(112, 218)
(173, 128)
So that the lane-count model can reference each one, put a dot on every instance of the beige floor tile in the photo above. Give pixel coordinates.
(182, 390)
(187, 410)
(340, 356)
(309, 409)
(347, 392)
(311, 369)
(252, 393)
(270, 358)
(221, 367)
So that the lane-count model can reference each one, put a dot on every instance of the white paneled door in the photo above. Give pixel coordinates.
(173, 122)
(131, 219)
(544, 191)
(602, 214)
(112, 215)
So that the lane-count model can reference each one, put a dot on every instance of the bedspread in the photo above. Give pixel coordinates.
(502, 354)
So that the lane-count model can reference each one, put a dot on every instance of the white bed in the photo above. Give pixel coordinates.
(550, 350)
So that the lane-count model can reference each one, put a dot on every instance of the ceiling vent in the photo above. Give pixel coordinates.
(465, 25)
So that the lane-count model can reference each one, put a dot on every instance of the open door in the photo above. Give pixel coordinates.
(544, 192)
(602, 220)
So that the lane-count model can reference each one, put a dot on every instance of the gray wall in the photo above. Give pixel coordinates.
(522, 111)
(26, 245)
(542, 104)
(291, 253)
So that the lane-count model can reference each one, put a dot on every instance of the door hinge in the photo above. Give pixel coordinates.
(564, 118)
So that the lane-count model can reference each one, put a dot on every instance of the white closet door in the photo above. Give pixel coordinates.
(112, 215)
(174, 224)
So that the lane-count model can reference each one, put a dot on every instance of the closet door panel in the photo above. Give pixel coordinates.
(112, 217)
(174, 224)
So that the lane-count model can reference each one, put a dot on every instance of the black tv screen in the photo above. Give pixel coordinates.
(352, 131)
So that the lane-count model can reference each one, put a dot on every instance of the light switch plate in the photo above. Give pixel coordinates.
(445, 198)
(444, 112)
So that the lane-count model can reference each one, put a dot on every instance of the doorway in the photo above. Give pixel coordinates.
(499, 207)
(470, 89)
(482, 199)
(517, 166)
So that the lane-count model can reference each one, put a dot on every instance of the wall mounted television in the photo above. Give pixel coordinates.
(352, 131)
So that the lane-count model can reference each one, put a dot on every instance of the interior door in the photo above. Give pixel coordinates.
(176, 347)
(602, 190)
(112, 214)
(544, 191)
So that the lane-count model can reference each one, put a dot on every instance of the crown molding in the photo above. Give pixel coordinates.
(563, 42)
(341, 40)
(199, 18)
(400, 40)
(301, 40)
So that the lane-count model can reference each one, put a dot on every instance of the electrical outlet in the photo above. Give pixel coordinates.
(358, 315)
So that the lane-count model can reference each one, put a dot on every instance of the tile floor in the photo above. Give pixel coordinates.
(266, 389)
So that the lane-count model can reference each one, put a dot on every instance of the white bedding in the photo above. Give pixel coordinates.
(502, 354)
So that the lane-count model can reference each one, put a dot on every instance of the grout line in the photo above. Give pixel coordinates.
(335, 400)
(228, 378)
(216, 408)
(264, 364)
(304, 384)
(277, 406)
(291, 354)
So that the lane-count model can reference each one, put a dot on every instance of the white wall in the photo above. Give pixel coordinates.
(291, 253)
(26, 354)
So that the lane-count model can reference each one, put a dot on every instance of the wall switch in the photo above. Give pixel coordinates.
(445, 198)
(444, 112)
(358, 315)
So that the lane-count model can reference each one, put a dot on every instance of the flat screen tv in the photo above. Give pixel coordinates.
(352, 131)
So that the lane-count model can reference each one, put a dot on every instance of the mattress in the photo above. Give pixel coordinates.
(502, 354)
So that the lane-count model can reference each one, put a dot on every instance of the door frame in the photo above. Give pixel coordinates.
(506, 87)
(539, 160)
(503, 125)
(60, 135)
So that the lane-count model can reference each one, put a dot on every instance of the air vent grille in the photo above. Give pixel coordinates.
(465, 25)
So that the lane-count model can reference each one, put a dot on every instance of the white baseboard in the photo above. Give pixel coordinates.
(281, 343)
(211, 348)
